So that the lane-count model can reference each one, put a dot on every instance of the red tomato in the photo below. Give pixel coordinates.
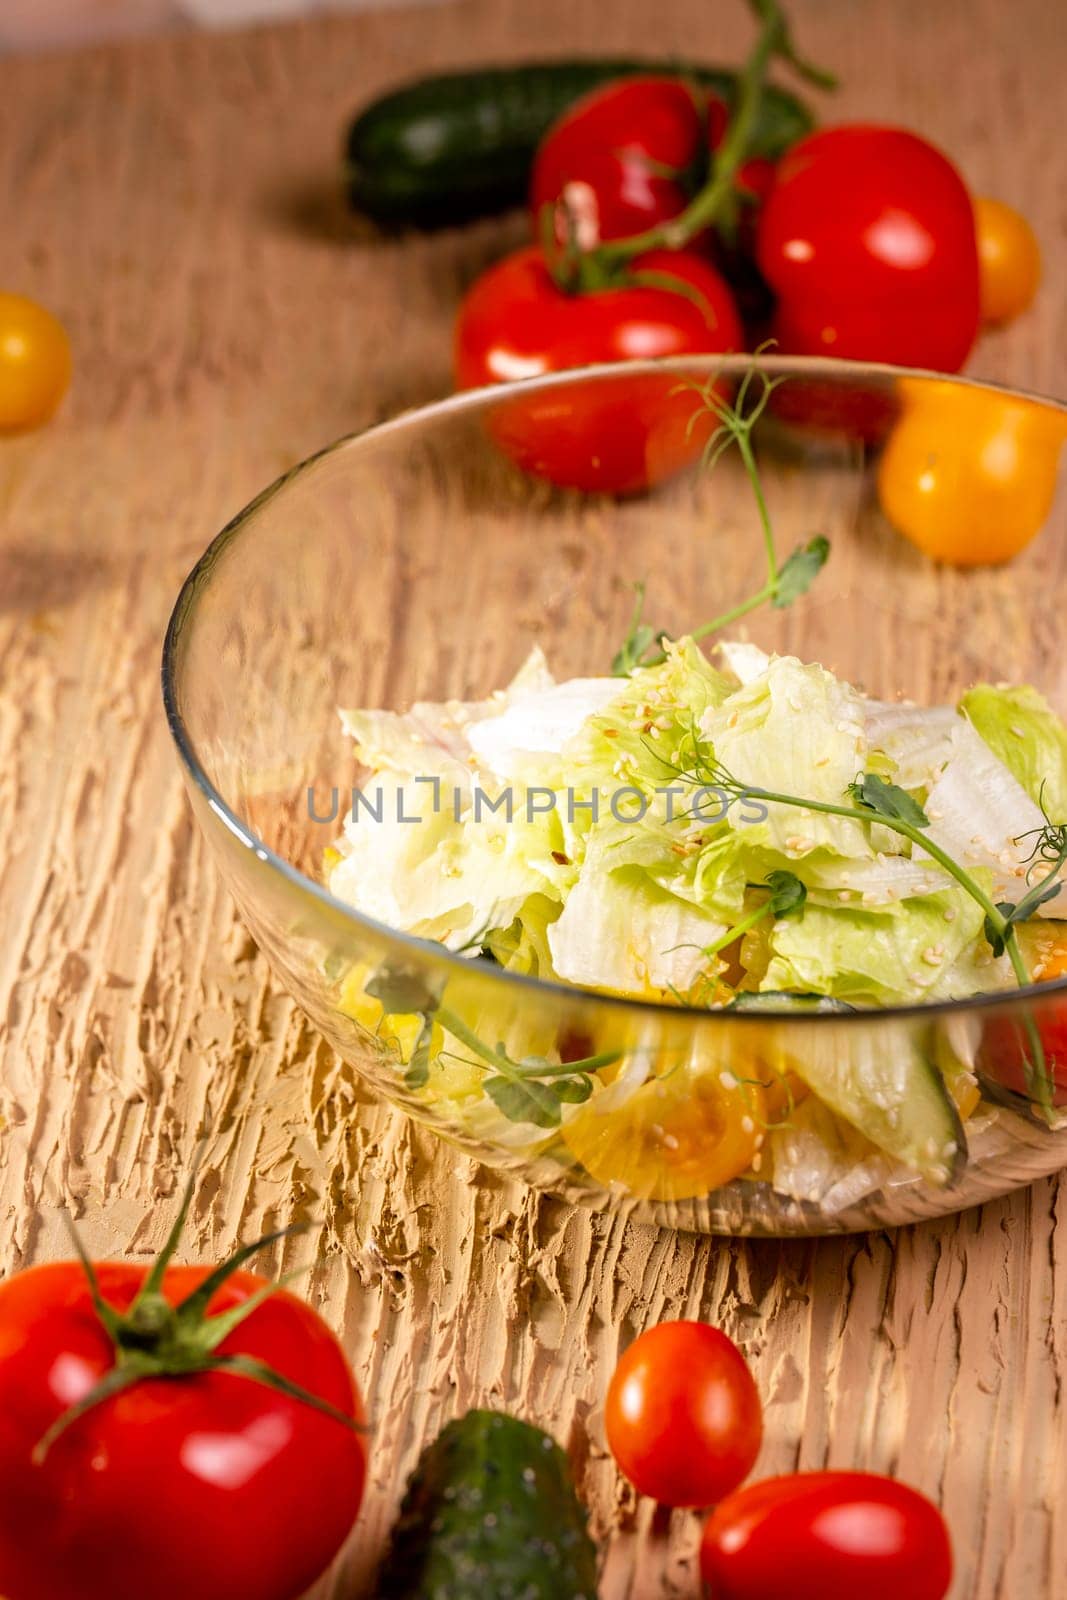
(868, 240)
(626, 156)
(683, 1415)
(1005, 1051)
(612, 438)
(209, 1485)
(825, 1536)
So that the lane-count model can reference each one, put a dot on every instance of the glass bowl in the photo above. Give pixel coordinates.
(418, 561)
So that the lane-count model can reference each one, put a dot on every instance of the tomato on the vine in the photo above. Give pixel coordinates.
(1009, 260)
(683, 1415)
(626, 156)
(868, 240)
(187, 1473)
(820, 1535)
(617, 438)
(969, 474)
(34, 363)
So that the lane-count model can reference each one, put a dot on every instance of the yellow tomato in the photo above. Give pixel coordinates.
(1009, 260)
(968, 474)
(34, 363)
(677, 1137)
(1044, 947)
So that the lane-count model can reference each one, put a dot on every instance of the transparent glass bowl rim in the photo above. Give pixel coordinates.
(473, 401)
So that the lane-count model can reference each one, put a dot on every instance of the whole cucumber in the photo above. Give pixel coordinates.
(490, 1514)
(460, 145)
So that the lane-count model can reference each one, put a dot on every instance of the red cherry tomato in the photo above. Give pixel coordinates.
(209, 1484)
(868, 240)
(613, 438)
(1005, 1050)
(683, 1415)
(825, 1536)
(626, 156)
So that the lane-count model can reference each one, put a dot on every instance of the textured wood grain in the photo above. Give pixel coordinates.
(172, 201)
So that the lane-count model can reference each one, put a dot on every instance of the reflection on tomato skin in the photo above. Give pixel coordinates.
(968, 474)
(618, 436)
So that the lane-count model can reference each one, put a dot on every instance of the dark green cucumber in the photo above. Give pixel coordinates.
(449, 148)
(490, 1514)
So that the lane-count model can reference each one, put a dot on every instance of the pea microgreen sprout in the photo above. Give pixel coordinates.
(787, 894)
(529, 1089)
(644, 645)
(870, 798)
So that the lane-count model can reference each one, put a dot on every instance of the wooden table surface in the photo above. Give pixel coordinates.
(173, 201)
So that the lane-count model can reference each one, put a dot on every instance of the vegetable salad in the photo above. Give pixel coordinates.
(744, 830)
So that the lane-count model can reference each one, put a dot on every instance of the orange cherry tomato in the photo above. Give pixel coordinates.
(683, 1415)
(969, 475)
(1009, 260)
(677, 1137)
(34, 363)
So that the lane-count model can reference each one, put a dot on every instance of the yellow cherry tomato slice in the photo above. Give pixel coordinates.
(34, 363)
(677, 1137)
(969, 475)
(1009, 260)
(1044, 948)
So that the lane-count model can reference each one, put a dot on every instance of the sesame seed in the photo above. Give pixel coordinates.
(727, 1080)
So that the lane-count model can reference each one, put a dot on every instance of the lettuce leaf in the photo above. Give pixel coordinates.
(798, 730)
(433, 738)
(983, 817)
(440, 878)
(620, 931)
(1023, 732)
(925, 948)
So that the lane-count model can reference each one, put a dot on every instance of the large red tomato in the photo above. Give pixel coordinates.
(825, 1536)
(208, 1484)
(626, 156)
(616, 437)
(868, 240)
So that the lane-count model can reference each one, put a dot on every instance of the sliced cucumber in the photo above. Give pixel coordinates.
(884, 1083)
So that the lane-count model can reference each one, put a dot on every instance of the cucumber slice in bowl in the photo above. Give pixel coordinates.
(878, 1078)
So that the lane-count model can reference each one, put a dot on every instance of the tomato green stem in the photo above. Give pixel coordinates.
(717, 195)
(155, 1339)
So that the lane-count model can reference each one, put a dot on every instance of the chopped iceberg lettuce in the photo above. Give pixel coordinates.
(620, 931)
(914, 949)
(796, 730)
(1023, 731)
(983, 817)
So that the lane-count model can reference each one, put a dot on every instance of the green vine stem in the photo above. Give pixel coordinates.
(596, 268)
